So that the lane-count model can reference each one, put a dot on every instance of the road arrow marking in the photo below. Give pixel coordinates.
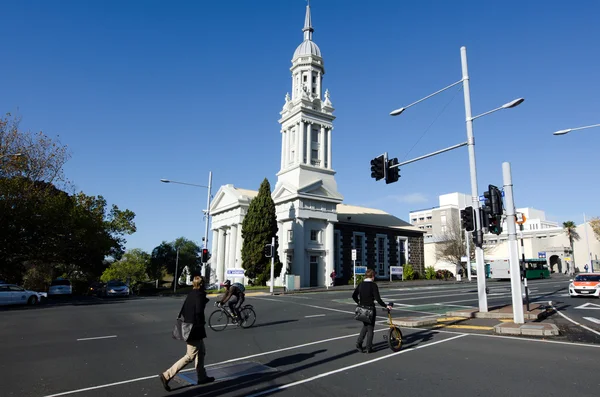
(592, 319)
(585, 306)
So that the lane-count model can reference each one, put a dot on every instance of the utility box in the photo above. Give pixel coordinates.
(292, 282)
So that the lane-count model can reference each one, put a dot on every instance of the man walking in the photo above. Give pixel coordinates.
(193, 312)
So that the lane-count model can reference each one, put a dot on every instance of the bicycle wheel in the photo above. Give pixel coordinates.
(248, 317)
(218, 320)
(395, 339)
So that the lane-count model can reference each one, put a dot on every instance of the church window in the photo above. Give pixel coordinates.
(314, 235)
(315, 135)
(290, 236)
(314, 157)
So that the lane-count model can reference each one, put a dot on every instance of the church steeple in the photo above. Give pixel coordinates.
(308, 29)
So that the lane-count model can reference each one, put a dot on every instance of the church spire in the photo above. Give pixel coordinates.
(308, 29)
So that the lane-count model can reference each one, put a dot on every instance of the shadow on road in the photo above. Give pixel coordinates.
(58, 302)
(231, 386)
(273, 323)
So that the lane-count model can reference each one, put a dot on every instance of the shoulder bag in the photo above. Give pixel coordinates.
(363, 313)
(182, 330)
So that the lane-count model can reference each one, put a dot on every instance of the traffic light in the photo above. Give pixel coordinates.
(379, 167)
(392, 174)
(205, 255)
(495, 224)
(268, 250)
(495, 200)
(467, 220)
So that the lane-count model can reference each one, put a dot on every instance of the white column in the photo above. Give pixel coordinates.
(299, 265)
(238, 247)
(319, 78)
(322, 140)
(301, 144)
(233, 234)
(329, 165)
(329, 248)
(282, 149)
(308, 142)
(214, 256)
(221, 256)
(286, 148)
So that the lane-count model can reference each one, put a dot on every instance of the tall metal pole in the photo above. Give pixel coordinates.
(176, 268)
(272, 264)
(513, 247)
(591, 268)
(207, 217)
(468, 241)
(483, 307)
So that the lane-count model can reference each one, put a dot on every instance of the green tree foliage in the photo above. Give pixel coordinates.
(570, 229)
(132, 266)
(47, 229)
(164, 257)
(408, 272)
(430, 273)
(258, 228)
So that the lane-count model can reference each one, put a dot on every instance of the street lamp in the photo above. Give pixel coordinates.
(472, 165)
(563, 132)
(207, 211)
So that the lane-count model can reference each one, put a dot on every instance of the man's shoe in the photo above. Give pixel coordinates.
(208, 379)
(359, 348)
(165, 382)
(370, 350)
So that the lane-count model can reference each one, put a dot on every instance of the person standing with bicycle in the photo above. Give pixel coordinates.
(193, 312)
(365, 295)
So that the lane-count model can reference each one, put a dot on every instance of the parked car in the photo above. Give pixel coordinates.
(115, 288)
(60, 286)
(95, 288)
(12, 294)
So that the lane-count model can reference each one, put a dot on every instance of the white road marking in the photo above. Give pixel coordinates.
(315, 315)
(322, 375)
(573, 321)
(97, 337)
(592, 319)
(210, 365)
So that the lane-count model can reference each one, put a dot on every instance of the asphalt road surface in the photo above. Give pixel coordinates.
(304, 343)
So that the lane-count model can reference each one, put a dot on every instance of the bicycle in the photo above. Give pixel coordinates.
(220, 318)
(394, 336)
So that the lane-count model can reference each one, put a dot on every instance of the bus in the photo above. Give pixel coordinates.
(499, 269)
(535, 268)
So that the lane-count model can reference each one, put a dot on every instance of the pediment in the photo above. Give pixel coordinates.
(282, 191)
(229, 197)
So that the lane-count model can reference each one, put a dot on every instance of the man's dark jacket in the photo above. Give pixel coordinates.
(193, 312)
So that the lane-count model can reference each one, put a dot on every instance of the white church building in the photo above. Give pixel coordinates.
(316, 232)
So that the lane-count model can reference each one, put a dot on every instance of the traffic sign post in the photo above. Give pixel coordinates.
(396, 270)
(354, 266)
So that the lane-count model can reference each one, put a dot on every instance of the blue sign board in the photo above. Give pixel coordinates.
(541, 255)
(235, 272)
(360, 269)
(482, 197)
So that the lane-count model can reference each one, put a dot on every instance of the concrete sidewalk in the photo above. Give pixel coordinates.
(382, 284)
(497, 319)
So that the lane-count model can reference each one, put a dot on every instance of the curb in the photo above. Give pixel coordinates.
(527, 329)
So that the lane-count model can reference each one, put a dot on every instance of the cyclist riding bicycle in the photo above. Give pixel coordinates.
(235, 297)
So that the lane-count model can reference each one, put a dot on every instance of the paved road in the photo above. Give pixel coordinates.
(307, 339)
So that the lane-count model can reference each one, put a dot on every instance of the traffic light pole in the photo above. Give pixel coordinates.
(207, 218)
(272, 264)
(513, 248)
(483, 307)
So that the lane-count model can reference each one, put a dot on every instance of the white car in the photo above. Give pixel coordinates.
(60, 286)
(585, 284)
(12, 294)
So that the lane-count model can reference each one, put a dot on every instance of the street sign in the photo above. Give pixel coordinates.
(353, 254)
(396, 270)
(542, 255)
(482, 197)
(360, 270)
(464, 259)
(521, 218)
(235, 272)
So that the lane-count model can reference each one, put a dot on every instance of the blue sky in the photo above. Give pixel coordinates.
(144, 90)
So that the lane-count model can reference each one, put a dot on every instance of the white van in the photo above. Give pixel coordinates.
(60, 286)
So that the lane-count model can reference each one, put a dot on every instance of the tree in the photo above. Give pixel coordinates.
(189, 255)
(132, 266)
(41, 157)
(258, 228)
(163, 258)
(595, 224)
(570, 229)
(451, 245)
